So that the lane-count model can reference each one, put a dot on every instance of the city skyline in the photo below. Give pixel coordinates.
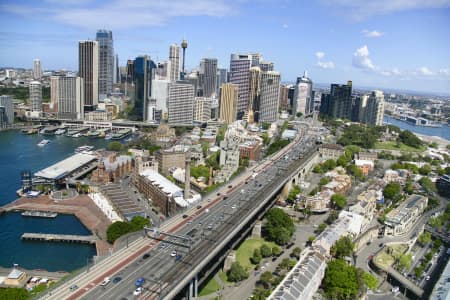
(395, 46)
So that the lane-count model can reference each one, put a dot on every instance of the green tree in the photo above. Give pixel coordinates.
(285, 264)
(119, 228)
(276, 250)
(435, 222)
(425, 169)
(342, 247)
(296, 252)
(339, 201)
(333, 216)
(404, 262)
(343, 161)
(114, 146)
(266, 279)
(266, 138)
(341, 280)
(295, 190)
(355, 171)
(311, 239)
(427, 185)
(13, 294)
(329, 164)
(265, 250)
(236, 273)
(392, 191)
(265, 125)
(409, 187)
(424, 238)
(321, 228)
(279, 226)
(410, 139)
(370, 281)
(257, 257)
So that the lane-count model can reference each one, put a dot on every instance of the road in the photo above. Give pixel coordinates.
(128, 262)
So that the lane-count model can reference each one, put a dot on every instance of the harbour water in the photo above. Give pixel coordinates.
(20, 152)
(443, 131)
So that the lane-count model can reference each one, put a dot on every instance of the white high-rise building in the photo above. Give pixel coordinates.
(174, 62)
(208, 76)
(105, 62)
(239, 75)
(269, 96)
(160, 93)
(70, 97)
(36, 96)
(374, 112)
(181, 103)
(228, 102)
(37, 70)
(6, 105)
(202, 109)
(303, 101)
(88, 70)
(54, 80)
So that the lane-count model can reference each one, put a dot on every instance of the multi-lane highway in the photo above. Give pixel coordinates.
(204, 224)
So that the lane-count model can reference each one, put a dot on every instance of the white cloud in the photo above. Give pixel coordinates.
(120, 14)
(372, 34)
(425, 71)
(285, 26)
(323, 64)
(444, 72)
(363, 9)
(362, 60)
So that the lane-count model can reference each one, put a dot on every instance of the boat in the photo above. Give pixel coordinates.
(108, 136)
(40, 214)
(60, 131)
(77, 135)
(121, 134)
(43, 143)
(85, 148)
(93, 134)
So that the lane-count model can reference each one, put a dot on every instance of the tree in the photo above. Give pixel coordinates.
(342, 247)
(425, 169)
(265, 125)
(329, 164)
(266, 138)
(392, 191)
(424, 238)
(296, 252)
(410, 139)
(341, 280)
(276, 251)
(311, 239)
(293, 194)
(265, 250)
(404, 262)
(355, 171)
(119, 228)
(409, 187)
(256, 258)
(339, 201)
(279, 226)
(435, 222)
(236, 273)
(321, 228)
(266, 279)
(115, 146)
(343, 160)
(13, 293)
(427, 185)
(370, 281)
(285, 263)
(333, 216)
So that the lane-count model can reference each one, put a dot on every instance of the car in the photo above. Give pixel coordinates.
(146, 255)
(230, 186)
(199, 206)
(73, 287)
(233, 206)
(189, 223)
(137, 291)
(427, 278)
(218, 194)
(178, 257)
(185, 216)
(117, 279)
(105, 281)
(139, 282)
(210, 226)
(381, 245)
(173, 254)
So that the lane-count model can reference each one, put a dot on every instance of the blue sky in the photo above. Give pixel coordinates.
(401, 44)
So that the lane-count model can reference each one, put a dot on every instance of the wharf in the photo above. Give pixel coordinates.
(89, 239)
(81, 206)
(40, 214)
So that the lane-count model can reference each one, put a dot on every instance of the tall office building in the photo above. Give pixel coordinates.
(130, 71)
(374, 111)
(105, 62)
(284, 93)
(340, 101)
(54, 80)
(239, 74)
(228, 102)
(143, 66)
(37, 70)
(202, 109)
(7, 110)
(269, 96)
(116, 73)
(36, 96)
(88, 70)
(254, 93)
(266, 66)
(222, 77)
(174, 59)
(303, 100)
(208, 76)
(181, 103)
(70, 97)
(160, 93)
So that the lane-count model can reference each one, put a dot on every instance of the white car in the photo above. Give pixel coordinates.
(105, 281)
(137, 291)
(173, 254)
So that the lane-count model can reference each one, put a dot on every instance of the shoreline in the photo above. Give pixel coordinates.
(442, 142)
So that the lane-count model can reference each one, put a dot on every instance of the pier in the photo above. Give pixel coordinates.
(87, 239)
(40, 214)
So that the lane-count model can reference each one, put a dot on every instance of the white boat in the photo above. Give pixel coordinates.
(43, 143)
(84, 149)
(76, 135)
(60, 131)
(108, 136)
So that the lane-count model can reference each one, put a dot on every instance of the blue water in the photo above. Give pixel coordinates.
(443, 131)
(19, 152)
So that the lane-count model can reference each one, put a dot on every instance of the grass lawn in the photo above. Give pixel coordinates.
(245, 251)
(211, 287)
(386, 260)
(223, 276)
(393, 146)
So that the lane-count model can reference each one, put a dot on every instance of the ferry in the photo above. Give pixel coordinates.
(84, 148)
(76, 135)
(43, 143)
(121, 134)
(60, 131)
(93, 134)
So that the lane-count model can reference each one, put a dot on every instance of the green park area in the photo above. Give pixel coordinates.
(246, 249)
(388, 256)
(397, 146)
(211, 287)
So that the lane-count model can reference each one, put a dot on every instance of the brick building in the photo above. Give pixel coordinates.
(112, 167)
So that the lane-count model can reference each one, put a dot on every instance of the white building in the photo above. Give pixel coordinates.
(202, 109)
(269, 97)
(69, 95)
(174, 62)
(36, 96)
(160, 93)
(303, 96)
(400, 220)
(181, 103)
(8, 110)
(37, 70)
(374, 110)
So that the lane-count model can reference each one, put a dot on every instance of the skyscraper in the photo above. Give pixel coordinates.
(269, 96)
(88, 70)
(143, 75)
(181, 103)
(222, 76)
(105, 62)
(184, 45)
(266, 66)
(374, 112)
(130, 71)
(6, 103)
(36, 96)
(202, 109)
(174, 59)
(239, 75)
(37, 70)
(254, 93)
(340, 101)
(54, 80)
(70, 97)
(116, 72)
(303, 99)
(284, 93)
(228, 102)
(208, 76)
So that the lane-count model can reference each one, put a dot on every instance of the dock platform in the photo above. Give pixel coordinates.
(50, 237)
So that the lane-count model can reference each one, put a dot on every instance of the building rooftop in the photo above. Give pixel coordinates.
(403, 213)
(15, 274)
(65, 167)
(166, 186)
